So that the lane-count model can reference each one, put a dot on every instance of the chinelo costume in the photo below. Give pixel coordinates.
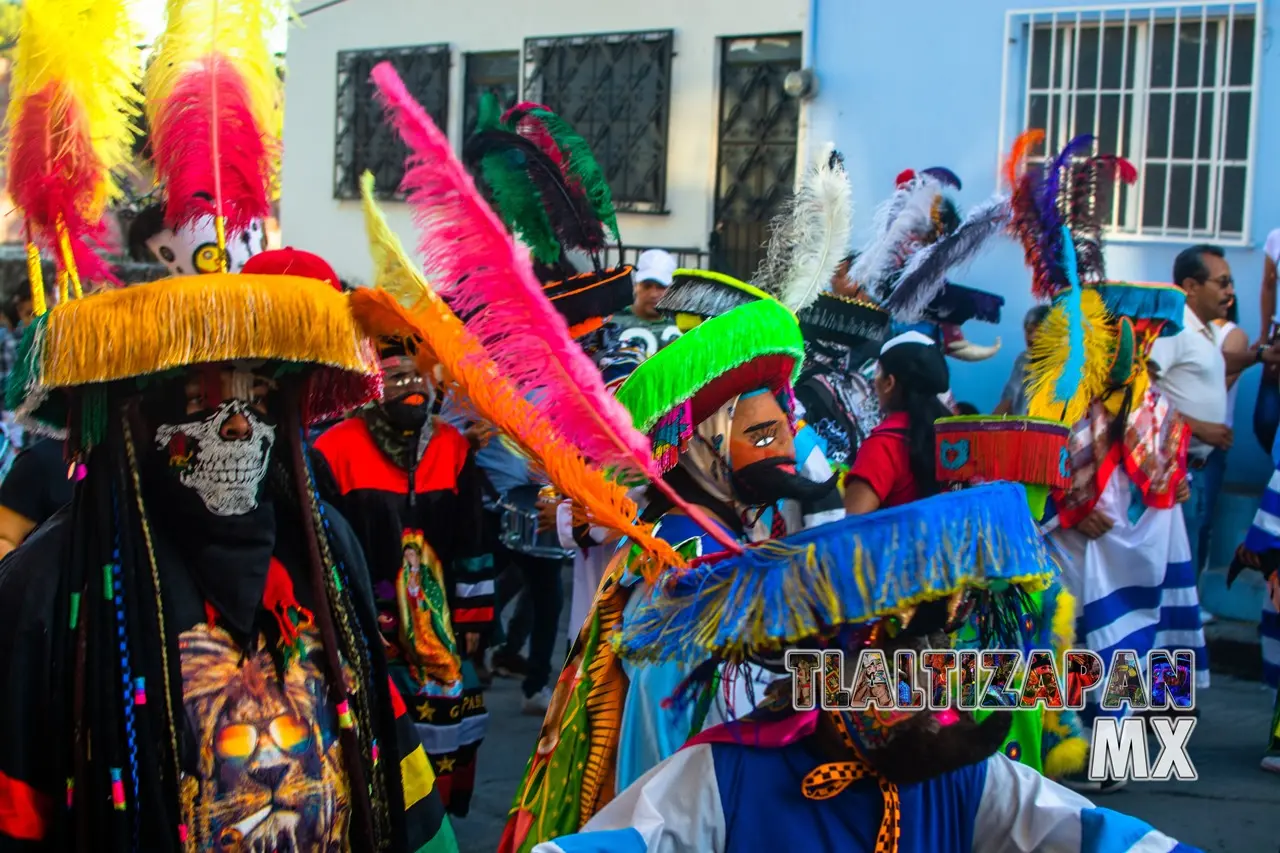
(895, 781)
(1263, 542)
(192, 642)
(716, 403)
(409, 486)
(1127, 446)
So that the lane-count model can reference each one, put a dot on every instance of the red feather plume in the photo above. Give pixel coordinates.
(182, 139)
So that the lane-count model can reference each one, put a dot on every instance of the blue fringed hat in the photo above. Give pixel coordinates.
(865, 570)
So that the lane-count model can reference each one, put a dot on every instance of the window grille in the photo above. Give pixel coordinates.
(363, 140)
(1169, 87)
(616, 91)
(497, 72)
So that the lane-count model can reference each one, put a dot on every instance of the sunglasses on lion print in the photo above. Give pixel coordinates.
(240, 741)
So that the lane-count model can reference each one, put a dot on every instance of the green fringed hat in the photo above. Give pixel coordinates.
(757, 345)
(698, 295)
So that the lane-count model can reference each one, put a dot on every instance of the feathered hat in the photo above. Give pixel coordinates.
(543, 181)
(74, 355)
(72, 105)
(1084, 347)
(980, 542)
(754, 346)
(978, 449)
(918, 236)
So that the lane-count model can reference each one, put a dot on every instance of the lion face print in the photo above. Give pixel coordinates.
(271, 778)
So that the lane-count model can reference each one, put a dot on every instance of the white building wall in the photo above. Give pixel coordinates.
(312, 219)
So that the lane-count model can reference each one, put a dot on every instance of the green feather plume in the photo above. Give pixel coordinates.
(580, 163)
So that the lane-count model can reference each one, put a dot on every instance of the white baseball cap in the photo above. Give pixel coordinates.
(656, 265)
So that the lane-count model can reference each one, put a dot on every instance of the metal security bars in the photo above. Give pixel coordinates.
(363, 140)
(497, 73)
(615, 90)
(1170, 87)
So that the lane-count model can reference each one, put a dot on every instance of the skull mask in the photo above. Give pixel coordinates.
(224, 463)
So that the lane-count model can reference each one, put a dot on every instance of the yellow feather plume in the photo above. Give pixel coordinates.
(404, 304)
(86, 48)
(1048, 356)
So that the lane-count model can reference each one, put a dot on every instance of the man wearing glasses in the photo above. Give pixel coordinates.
(1191, 369)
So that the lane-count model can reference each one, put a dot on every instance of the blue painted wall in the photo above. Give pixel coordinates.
(918, 84)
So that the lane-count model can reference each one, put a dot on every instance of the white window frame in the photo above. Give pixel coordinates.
(1137, 23)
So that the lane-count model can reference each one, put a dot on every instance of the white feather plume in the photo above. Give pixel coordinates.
(924, 274)
(810, 238)
(895, 231)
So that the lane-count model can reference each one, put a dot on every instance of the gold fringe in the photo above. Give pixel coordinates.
(177, 322)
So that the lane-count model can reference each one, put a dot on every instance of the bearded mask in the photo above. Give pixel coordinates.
(745, 454)
(223, 457)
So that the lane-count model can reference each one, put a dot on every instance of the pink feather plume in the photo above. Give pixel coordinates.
(487, 278)
(183, 142)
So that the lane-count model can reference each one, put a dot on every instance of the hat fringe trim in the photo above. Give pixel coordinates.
(675, 374)
(848, 572)
(179, 322)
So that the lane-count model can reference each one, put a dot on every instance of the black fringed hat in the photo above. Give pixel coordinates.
(847, 322)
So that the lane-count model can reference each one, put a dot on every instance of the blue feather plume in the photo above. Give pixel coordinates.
(1073, 304)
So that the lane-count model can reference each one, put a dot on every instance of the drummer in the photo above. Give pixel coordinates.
(410, 487)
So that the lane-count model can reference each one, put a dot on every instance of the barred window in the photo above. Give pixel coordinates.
(1171, 88)
(616, 91)
(497, 73)
(363, 140)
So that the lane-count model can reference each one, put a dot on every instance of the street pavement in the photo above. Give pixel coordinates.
(1233, 807)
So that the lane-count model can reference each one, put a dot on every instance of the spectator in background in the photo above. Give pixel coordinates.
(1231, 339)
(1267, 299)
(36, 487)
(1013, 400)
(642, 325)
(1191, 367)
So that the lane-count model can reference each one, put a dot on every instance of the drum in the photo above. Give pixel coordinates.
(519, 526)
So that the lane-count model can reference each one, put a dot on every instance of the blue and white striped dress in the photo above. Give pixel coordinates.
(1135, 586)
(1264, 536)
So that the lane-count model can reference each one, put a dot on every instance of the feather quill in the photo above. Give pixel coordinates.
(810, 237)
(486, 277)
(214, 111)
(924, 275)
(72, 104)
(423, 315)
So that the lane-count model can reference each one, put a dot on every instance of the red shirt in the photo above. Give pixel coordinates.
(883, 463)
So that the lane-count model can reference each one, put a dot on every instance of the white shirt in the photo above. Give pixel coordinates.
(1193, 374)
(1223, 331)
(1272, 246)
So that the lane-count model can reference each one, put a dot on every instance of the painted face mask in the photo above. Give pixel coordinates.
(762, 452)
(222, 458)
(409, 396)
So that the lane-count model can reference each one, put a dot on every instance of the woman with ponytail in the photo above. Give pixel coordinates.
(895, 465)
